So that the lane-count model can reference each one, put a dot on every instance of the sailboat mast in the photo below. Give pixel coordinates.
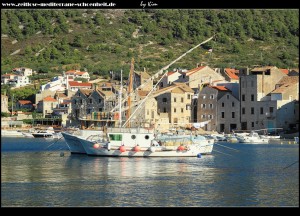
(130, 90)
(120, 101)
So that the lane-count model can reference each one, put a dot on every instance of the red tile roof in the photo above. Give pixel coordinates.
(49, 99)
(170, 73)
(231, 73)
(220, 88)
(190, 72)
(80, 73)
(23, 102)
(285, 71)
(75, 83)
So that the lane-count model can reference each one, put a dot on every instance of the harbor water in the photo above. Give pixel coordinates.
(41, 172)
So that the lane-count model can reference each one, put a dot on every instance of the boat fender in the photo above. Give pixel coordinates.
(137, 148)
(96, 145)
(108, 146)
(181, 148)
(122, 148)
(199, 155)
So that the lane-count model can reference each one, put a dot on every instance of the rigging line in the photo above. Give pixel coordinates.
(221, 152)
(53, 143)
(160, 72)
(227, 147)
(166, 67)
(291, 164)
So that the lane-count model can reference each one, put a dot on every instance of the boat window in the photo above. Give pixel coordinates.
(133, 137)
(146, 137)
(115, 137)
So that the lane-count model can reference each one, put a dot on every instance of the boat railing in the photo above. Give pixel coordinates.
(98, 137)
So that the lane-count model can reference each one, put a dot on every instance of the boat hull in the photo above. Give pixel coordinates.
(73, 143)
(94, 149)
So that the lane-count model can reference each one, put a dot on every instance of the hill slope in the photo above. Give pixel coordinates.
(105, 40)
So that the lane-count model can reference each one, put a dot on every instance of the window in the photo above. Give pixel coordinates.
(203, 116)
(252, 124)
(227, 97)
(252, 97)
(182, 110)
(223, 104)
(182, 100)
(212, 96)
(147, 112)
(233, 114)
(152, 114)
(223, 114)
(80, 101)
(75, 101)
(164, 100)
(203, 106)
(174, 110)
(243, 97)
(211, 106)
(174, 99)
(188, 96)
(232, 104)
(243, 110)
(271, 109)
(99, 100)
(252, 110)
(165, 110)
(100, 109)
(261, 110)
(115, 137)
(91, 100)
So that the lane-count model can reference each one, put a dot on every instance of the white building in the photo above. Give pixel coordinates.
(78, 74)
(23, 71)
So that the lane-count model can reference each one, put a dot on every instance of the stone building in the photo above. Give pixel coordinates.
(219, 108)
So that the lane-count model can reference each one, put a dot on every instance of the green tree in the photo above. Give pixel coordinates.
(78, 41)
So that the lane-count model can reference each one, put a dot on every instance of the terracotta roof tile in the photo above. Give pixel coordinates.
(75, 83)
(49, 99)
(170, 73)
(220, 88)
(23, 102)
(231, 73)
(285, 71)
(190, 72)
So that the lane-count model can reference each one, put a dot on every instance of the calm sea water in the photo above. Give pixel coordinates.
(34, 173)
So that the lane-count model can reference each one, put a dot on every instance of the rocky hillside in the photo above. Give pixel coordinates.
(100, 41)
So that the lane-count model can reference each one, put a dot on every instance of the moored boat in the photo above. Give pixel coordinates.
(72, 139)
(137, 143)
